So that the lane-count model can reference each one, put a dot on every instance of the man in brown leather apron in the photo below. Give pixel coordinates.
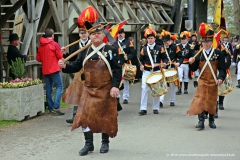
(209, 61)
(97, 108)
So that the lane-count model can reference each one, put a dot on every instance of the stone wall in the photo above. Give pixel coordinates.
(16, 104)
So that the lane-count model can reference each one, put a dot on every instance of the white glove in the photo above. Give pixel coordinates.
(233, 64)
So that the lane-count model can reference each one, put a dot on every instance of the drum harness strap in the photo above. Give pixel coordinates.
(209, 64)
(96, 50)
(168, 56)
(150, 57)
(123, 52)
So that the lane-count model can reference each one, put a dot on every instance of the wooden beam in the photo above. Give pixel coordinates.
(55, 15)
(65, 23)
(166, 15)
(1, 51)
(15, 7)
(60, 14)
(157, 14)
(75, 7)
(45, 21)
(117, 10)
(142, 13)
(131, 13)
(70, 8)
(101, 16)
(71, 29)
(148, 14)
(110, 9)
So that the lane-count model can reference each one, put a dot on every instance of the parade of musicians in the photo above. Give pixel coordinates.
(165, 95)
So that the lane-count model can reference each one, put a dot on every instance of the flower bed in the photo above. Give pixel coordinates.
(20, 83)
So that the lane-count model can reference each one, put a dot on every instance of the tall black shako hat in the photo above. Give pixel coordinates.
(89, 20)
(206, 32)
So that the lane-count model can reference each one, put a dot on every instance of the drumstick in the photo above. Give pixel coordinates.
(72, 44)
(162, 70)
(77, 52)
(139, 61)
(198, 53)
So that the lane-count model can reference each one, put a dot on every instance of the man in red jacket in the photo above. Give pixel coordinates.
(49, 53)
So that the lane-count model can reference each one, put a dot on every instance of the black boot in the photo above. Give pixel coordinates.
(119, 107)
(200, 124)
(179, 91)
(238, 86)
(105, 141)
(185, 87)
(216, 114)
(88, 144)
(211, 121)
(205, 115)
(74, 113)
(220, 102)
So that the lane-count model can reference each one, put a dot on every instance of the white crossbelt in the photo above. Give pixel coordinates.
(209, 64)
(96, 50)
(150, 57)
(121, 48)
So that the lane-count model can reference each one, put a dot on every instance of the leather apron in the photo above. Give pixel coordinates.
(205, 98)
(74, 91)
(96, 108)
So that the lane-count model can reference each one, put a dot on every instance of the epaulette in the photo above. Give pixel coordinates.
(238, 46)
(192, 46)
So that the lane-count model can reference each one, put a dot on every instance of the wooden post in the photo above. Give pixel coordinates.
(60, 14)
(179, 15)
(1, 52)
(201, 12)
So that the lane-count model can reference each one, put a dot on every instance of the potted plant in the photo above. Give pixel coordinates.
(22, 97)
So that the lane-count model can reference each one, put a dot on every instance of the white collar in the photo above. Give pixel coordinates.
(208, 51)
(184, 45)
(121, 40)
(151, 46)
(84, 42)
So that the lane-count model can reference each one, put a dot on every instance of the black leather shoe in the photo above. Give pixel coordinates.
(172, 104)
(155, 112)
(185, 91)
(69, 120)
(87, 148)
(161, 105)
(200, 125)
(142, 112)
(212, 125)
(104, 148)
(125, 101)
(220, 106)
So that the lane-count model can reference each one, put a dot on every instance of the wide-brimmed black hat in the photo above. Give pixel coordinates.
(206, 32)
(13, 37)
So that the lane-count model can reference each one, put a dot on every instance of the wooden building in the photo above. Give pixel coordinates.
(29, 19)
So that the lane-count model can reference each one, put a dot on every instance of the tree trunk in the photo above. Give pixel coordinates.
(236, 9)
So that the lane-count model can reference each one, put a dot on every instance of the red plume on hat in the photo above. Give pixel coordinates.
(185, 34)
(174, 37)
(150, 32)
(89, 18)
(206, 32)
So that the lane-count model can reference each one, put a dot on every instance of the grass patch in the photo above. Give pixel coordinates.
(4, 123)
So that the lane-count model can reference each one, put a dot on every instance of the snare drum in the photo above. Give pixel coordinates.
(226, 87)
(171, 75)
(157, 84)
(129, 71)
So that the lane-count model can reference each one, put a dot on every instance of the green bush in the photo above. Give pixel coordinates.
(18, 67)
